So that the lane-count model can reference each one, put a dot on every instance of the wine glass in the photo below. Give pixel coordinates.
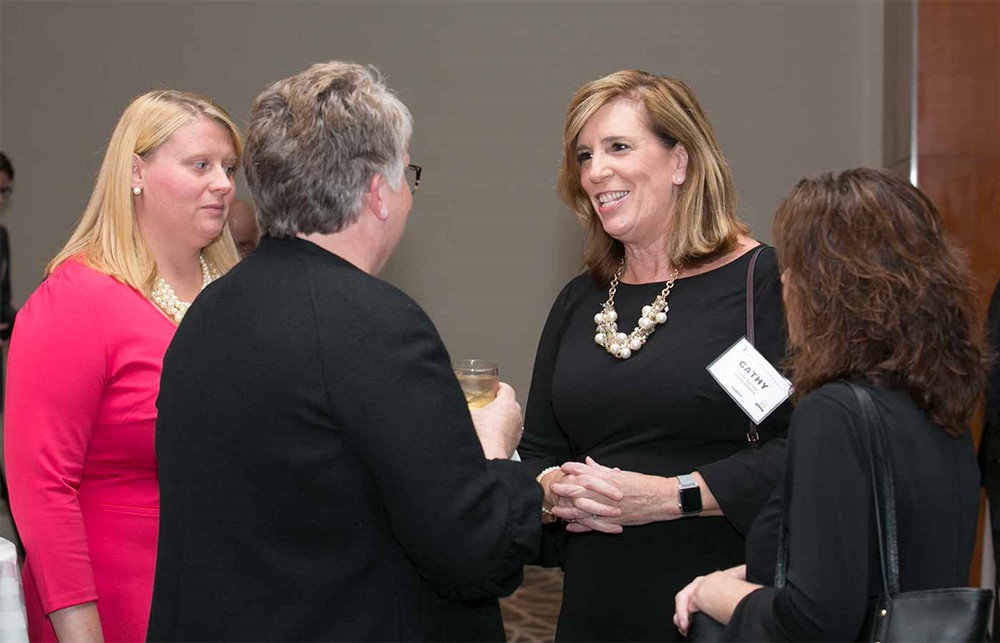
(480, 381)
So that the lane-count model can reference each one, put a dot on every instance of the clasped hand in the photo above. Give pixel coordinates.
(592, 497)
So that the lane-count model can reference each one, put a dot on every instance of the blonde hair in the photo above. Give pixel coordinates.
(704, 217)
(107, 238)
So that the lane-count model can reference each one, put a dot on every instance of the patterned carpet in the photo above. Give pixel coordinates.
(530, 613)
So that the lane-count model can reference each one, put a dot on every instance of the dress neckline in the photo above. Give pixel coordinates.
(743, 258)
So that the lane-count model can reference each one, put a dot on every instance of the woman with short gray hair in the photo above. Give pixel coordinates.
(316, 453)
(309, 171)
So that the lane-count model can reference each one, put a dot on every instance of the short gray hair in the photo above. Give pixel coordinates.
(314, 142)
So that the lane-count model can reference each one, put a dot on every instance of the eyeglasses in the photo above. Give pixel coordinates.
(412, 174)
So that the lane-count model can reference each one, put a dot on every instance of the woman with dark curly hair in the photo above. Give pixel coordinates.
(875, 294)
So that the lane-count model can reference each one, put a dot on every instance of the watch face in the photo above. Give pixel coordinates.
(690, 500)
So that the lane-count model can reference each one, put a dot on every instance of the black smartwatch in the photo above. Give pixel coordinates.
(689, 495)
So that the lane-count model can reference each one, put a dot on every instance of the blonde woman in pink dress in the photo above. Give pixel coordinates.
(85, 361)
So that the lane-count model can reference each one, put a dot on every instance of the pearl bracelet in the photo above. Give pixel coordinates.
(547, 516)
(545, 472)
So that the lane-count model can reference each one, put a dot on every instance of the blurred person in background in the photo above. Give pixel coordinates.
(989, 446)
(7, 311)
(244, 227)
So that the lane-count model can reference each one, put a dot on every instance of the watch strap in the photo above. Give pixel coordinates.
(688, 495)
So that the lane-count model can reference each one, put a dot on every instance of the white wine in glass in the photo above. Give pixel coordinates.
(480, 381)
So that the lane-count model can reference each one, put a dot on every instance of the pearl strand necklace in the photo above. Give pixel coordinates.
(165, 297)
(619, 344)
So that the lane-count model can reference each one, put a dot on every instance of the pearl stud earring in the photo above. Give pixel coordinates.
(137, 190)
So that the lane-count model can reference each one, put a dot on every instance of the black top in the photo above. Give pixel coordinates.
(989, 446)
(993, 381)
(7, 311)
(660, 413)
(7, 314)
(320, 476)
(833, 566)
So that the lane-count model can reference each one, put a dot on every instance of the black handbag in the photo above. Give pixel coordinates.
(952, 614)
(704, 629)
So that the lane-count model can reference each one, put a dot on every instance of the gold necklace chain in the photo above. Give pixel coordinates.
(619, 344)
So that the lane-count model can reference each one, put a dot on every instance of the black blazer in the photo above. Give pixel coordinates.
(320, 476)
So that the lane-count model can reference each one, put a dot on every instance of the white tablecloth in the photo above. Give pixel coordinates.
(13, 624)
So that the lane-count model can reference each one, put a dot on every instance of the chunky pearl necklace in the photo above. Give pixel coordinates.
(165, 297)
(619, 344)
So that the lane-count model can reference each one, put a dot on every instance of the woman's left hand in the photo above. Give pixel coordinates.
(644, 498)
(716, 594)
(685, 605)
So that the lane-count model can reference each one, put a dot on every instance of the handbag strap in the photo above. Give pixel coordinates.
(752, 437)
(883, 490)
(781, 563)
(883, 493)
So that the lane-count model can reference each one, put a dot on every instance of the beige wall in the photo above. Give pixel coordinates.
(792, 88)
(898, 128)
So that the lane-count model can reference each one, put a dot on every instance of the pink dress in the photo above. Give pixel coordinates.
(83, 377)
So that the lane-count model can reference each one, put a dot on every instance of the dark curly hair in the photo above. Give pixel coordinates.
(875, 290)
(6, 166)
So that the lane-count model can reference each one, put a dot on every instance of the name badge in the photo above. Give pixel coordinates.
(746, 375)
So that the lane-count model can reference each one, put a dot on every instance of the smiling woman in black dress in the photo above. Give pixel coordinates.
(642, 170)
